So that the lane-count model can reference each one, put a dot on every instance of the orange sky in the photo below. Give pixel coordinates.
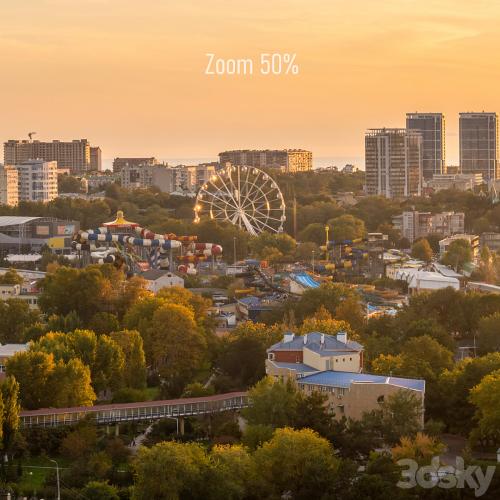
(129, 74)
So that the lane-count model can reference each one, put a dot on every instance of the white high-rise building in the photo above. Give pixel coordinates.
(37, 180)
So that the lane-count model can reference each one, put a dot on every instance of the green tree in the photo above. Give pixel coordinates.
(273, 403)
(454, 386)
(458, 254)
(71, 385)
(134, 369)
(298, 463)
(314, 233)
(85, 291)
(488, 338)
(100, 490)
(400, 414)
(11, 411)
(170, 470)
(104, 323)
(33, 371)
(231, 472)
(11, 277)
(346, 227)
(15, 319)
(486, 397)
(243, 351)
(421, 250)
(283, 243)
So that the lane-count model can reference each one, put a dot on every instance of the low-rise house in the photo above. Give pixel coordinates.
(158, 279)
(314, 352)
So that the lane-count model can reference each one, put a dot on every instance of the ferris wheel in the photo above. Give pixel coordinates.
(244, 196)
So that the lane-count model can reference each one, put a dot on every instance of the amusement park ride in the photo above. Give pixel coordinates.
(244, 196)
(122, 242)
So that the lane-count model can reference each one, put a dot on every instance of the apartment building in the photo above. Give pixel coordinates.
(286, 160)
(393, 162)
(432, 128)
(75, 154)
(9, 188)
(37, 180)
(490, 240)
(478, 134)
(413, 224)
(119, 163)
(95, 159)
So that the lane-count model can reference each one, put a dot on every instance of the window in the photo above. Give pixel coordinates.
(380, 399)
(270, 356)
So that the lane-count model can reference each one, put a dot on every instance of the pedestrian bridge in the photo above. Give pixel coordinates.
(128, 412)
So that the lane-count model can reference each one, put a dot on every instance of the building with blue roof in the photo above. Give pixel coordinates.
(331, 364)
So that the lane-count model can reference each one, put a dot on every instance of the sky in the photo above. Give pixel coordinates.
(129, 75)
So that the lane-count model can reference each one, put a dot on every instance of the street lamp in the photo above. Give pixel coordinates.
(57, 477)
(313, 261)
(234, 249)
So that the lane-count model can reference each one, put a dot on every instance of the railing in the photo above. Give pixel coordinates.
(126, 412)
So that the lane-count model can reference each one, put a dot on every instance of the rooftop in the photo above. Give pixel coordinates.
(154, 274)
(11, 349)
(14, 220)
(346, 379)
(313, 342)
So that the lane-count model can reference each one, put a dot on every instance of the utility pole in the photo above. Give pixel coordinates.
(234, 249)
(313, 261)
(57, 478)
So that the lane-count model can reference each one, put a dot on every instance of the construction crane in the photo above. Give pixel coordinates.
(30, 135)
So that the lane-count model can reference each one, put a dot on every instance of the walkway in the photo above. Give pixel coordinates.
(127, 412)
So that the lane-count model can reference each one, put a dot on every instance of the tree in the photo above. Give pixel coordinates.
(107, 370)
(323, 322)
(71, 385)
(170, 470)
(176, 346)
(422, 448)
(454, 387)
(297, 463)
(134, 369)
(43, 383)
(400, 414)
(100, 490)
(346, 227)
(85, 291)
(11, 411)
(488, 337)
(11, 277)
(15, 319)
(314, 233)
(231, 472)
(33, 371)
(283, 243)
(328, 295)
(273, 403)
(104, 323)
(243, 351)
(486, 397)
(458, 254)
(421, 250)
